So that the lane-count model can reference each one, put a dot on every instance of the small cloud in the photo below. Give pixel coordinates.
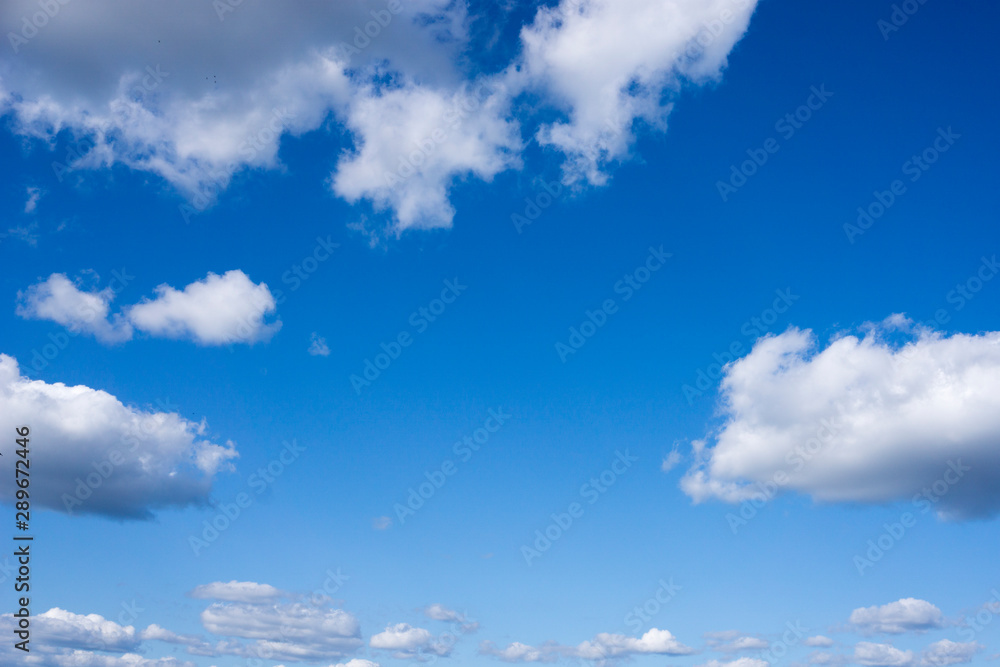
(671, 460)
(319, 348)
(819, 641)
(34, 194)
(379, 522)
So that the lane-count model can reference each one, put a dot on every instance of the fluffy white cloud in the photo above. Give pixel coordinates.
(415, 140)
(356, 662)
(34, 194)
(406, 641)
(906, 615)
(947, 652)
(200, 98)
(237, 591)
(862, 420)
(214, 311)
(517, 652)
(881, 655)
(603, 647)
(606, 645)
(58, 627)
(607, 63)
(60, 300)
(102, 456)
(293, 631)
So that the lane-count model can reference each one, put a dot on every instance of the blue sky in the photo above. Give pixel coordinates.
(200, 283)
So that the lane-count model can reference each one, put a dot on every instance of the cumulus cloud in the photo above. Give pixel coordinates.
(905, 615)
(415, 140)
(205, 99)
(517, 652)
(59, 300)
(59, 627)
(603, 647)
(947, 652)
(407, 641)
(608, 63)
(237, 591)
(291, 631)
(861, 420)
(881, 655)
(102, 456)
(214, 311)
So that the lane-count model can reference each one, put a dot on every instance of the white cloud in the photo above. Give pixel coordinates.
(58, 627)
(356, 662)
(818, 641)
(318, 346)
(881, 655)
(201, 98)
(671, 460)
(382, 523)
(237, 591)
(947, 652)
(439, 612)
(292, 631)
(415, 140)
(102, 456)
(59, 300)
(905, 615)
(606, 645)
(214, 311)
(860, 421)
(517, 652)
(34, 194)
(406, 641)
(608, 63)
(602, 648)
